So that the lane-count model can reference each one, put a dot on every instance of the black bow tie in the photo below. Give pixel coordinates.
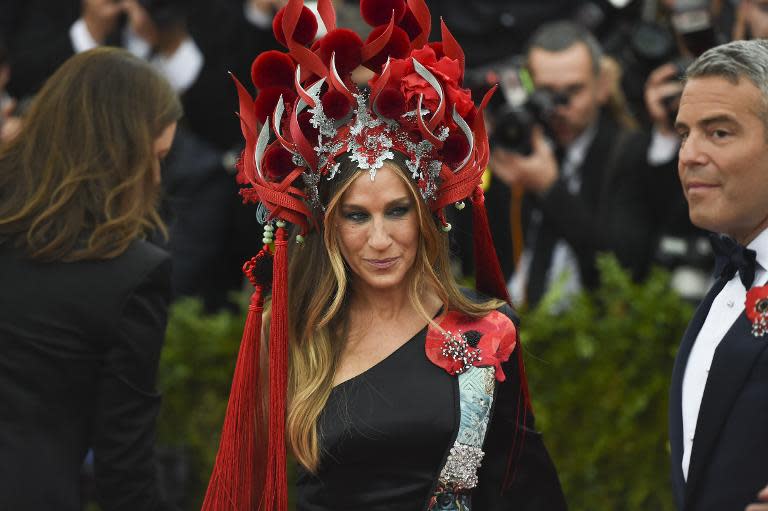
(731, 257)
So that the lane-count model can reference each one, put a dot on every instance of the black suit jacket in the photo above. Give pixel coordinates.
(609, 213)
(80, 346)
(729, 460)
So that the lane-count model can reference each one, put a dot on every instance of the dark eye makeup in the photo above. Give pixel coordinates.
(356, 214)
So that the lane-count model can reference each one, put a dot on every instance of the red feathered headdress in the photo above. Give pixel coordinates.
(307, 112)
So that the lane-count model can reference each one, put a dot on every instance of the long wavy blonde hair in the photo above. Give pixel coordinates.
(319, 298)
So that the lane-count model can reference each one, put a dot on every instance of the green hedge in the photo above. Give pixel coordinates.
(196, 369)
(599, 374)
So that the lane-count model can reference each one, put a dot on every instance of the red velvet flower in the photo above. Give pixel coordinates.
(756, 309)
(309, 131)
(398, 68)
(466, 342)
(448, 73)
(410, 24)
(379, 12)
(277, 162)
(346, 44)
(396, 48)
(461, 99)
(414, 86)
(305, 30)
(391, 103)
(335, 104)
(266, 100)
(272, 69)
(428, 58)
(437, 47)
(455, 149)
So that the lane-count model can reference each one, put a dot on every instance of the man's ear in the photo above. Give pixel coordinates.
(608, 79)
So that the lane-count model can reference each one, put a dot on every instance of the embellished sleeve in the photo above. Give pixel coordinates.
(534, 484)
(498, 458)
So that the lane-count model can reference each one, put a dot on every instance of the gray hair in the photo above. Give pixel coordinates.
(748, 59)
(561, 35)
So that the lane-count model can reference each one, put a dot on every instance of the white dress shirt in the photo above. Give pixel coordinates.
(563, 264)
(663, 148)
(181, 68)
(726, 308)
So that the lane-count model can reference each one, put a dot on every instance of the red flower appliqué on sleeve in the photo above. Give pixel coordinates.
(756, 308)
(467, 342)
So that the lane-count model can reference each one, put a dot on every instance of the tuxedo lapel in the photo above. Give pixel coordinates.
(676, 388)
(733, 362)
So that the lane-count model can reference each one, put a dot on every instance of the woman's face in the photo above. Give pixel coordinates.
(161, 147)
(378, 230)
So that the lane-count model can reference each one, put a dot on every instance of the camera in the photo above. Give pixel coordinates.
(692, 21)
(512, 122)
(517, 107)
(688, 257)
(649, 45)
(672, 102)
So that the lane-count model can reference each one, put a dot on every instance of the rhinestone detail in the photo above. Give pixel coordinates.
(460, 470)
(456, 347)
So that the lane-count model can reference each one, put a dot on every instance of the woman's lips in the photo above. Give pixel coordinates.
(382, 264)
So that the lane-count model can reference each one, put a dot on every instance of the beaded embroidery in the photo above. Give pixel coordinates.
(473, 350)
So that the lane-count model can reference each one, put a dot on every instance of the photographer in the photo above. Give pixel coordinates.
(582, 196)
(681, 247)
(155, 30)
(751, 20)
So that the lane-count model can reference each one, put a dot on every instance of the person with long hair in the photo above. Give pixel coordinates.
(84, 297)
(391, 386)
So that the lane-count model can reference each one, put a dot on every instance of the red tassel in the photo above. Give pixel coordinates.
(490, 280)
(488, 276)
(524, 407)
(276, 482)
(236, 478)
(518, 438)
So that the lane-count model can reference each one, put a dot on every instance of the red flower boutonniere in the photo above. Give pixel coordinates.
(467, 342)
(756, 307)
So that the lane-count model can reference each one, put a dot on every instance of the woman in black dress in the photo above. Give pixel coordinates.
(83, 297)
(390, 386)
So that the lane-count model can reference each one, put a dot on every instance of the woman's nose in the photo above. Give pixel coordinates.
(379, 237)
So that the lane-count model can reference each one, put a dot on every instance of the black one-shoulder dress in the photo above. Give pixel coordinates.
(386, 433)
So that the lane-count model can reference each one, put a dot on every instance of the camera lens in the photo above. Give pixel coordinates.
(512, 128)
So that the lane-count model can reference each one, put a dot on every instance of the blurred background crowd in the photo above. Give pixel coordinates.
(584, 150)
(598, 174)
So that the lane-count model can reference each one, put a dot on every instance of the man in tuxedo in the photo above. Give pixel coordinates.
(719, 391)
(588, 198)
